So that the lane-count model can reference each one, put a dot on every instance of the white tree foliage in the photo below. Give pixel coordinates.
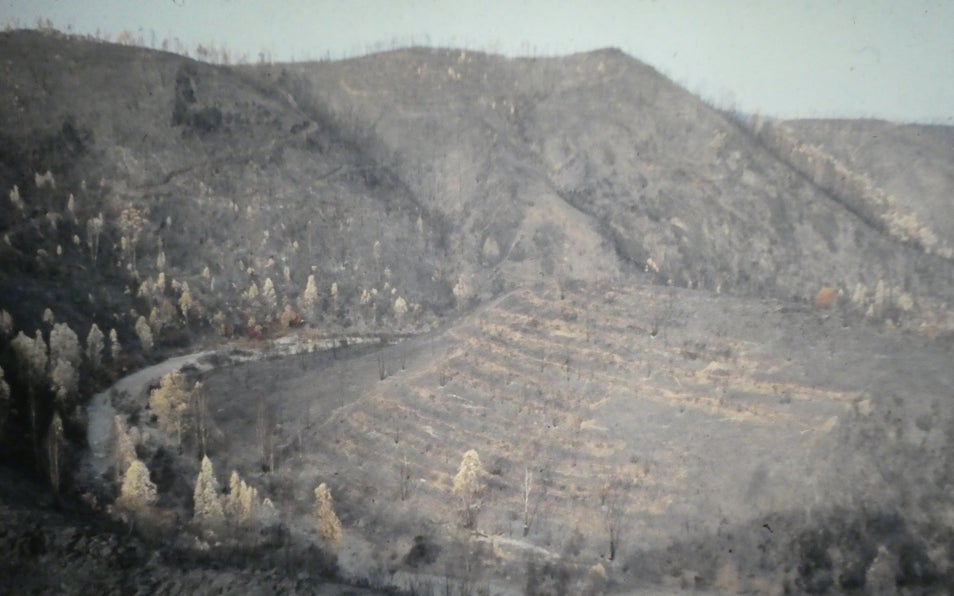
(242, 506)
(268, 294)
(208, 506)
(138, 491)
(94, 346)
(400, 308)
(124, 449)
(115, 348)
(326, 520)
(4, 402)
(468, 485)
(144, 332)
(309, 298)
(170, 403)
(64, 345)
(64, 381)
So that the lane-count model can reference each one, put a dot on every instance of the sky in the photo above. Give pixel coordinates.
(890, 59)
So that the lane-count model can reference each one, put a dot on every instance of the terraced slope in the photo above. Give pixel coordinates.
(698, 412)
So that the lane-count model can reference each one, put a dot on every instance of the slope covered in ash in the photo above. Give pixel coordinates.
(899, 176)
(439, 177)
(726, 441)
(633, 172)
(223, 178)
(537, 208)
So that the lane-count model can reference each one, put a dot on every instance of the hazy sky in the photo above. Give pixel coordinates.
(877, 58)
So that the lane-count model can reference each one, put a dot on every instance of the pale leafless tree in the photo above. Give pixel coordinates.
(199, 399)
(614, 495)
(264, 429)
(54, 450)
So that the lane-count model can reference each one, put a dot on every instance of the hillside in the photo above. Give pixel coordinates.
(463, 167)
(686, 326)
(700, 418)
(899, 174)
(628, 166)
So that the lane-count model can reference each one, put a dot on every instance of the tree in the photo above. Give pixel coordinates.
(462, 292)
(468, 485)
(6, 323)
(144, 333)
(115, 348)
(613, 495)
(65, 355)
(94, 229)
(170, 403)
(288, 317)
(268, 295)
(231, 508)
(400, 308)
(198, 399)
(94, 347)
(124, 449)
(264, 425)
(242, 504)
(309, 298)
(251, 294)
(187, 303)
(529, 509)
(32, 359)
(64, 344)
(326, 521)
(404, 478)
(208, 506)
(131, 225)
(16, 199)
(64, 381)
(54, 446)
(4, 402)
(138, 492)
